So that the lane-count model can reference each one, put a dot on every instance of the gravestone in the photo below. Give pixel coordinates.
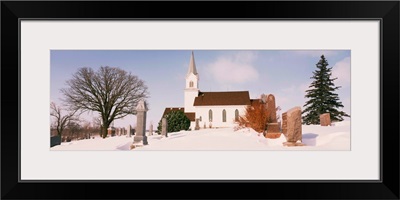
(271, 108)
(111, 131)
(284, 123)
(130, 131)
(151, 129)
(197, 125)
(140, 136)
(325, 119)
(272, 124)
(55, 140)
(292, 127)
(164, 127)
(263, 98)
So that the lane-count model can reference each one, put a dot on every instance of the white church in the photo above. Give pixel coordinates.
(212, 109)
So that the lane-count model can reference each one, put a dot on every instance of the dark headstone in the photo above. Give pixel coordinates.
(55, 140)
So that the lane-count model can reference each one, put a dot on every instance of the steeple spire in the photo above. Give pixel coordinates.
(192, 66)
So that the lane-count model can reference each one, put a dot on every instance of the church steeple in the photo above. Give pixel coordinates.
(192, 66)
(192, 85)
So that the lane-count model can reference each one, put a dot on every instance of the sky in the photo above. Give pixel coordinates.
(283, 73)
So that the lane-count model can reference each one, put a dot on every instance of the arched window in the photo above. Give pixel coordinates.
(236, 115)
(224, 115)
(200, 118)
(191, 84)
(210, 115)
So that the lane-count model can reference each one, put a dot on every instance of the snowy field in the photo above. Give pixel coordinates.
(315, 137)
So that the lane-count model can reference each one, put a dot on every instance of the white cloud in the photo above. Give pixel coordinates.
(341, 70)
(236, 68)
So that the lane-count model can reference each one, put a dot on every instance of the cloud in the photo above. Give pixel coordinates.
(236, 68)
(341, 70)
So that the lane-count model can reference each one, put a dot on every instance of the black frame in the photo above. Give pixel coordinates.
(386, 11)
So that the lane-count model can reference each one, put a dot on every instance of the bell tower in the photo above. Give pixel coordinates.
(192, 85)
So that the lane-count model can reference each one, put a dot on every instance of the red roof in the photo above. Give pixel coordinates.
(191, 115)
(222, 98)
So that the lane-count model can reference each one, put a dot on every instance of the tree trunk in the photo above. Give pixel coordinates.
(104, 131)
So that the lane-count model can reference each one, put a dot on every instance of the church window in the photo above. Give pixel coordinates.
(224, 115)
(210, 115)
(191, 84)
(236, 115)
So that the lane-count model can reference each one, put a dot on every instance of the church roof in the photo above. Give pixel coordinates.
(192, 66)
(222, 98)
(190, 115)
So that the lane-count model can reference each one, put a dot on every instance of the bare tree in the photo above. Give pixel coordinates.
(112, 92)
(61, 121)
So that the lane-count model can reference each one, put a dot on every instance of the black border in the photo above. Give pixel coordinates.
(387, 12)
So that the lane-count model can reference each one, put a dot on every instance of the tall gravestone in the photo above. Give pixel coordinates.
(292, 127)
(272, 125)
(325, 119)
(140, 136)
(164, 127)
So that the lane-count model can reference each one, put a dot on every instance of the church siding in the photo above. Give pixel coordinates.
(217, 111)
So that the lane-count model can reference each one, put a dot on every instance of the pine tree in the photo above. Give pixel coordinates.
(322, 98)
(176, 120)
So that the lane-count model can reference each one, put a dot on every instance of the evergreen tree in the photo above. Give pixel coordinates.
(322, 98)
(176, 120)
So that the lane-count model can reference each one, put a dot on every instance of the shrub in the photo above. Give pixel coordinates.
(176, 120)
(255, 117)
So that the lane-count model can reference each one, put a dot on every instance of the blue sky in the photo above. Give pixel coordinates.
(284, 73)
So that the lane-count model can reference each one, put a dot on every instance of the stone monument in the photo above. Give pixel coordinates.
(140, 136)
(129, 131)
(164, 127)
(197, 125)
(291, 127)
(151, 129)
(325, 119)
(272, 123)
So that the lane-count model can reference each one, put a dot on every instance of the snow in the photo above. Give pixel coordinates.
(335, 137)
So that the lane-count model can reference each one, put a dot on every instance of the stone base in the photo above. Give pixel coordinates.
(197, 128)
(293, 144)
(273, 128)
(140, 139)
(273, 135)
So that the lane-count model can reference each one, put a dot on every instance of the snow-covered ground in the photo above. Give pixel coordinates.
(315, 137)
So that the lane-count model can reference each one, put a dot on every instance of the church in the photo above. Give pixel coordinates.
(212, 109)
